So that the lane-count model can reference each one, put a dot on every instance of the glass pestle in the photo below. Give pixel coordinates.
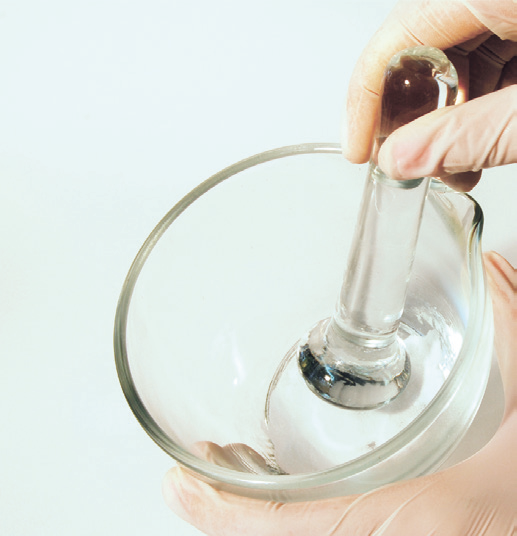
(355, 358)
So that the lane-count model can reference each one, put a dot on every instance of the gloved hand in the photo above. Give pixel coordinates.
(478, 496)
(475, 497)
(479, 37)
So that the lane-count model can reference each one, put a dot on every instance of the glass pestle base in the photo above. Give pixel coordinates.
(352, 374)
(307, 433)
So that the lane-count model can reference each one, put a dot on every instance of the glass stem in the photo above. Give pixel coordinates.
(375, 285)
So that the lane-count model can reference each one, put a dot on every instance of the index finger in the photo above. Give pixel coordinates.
(439, 23)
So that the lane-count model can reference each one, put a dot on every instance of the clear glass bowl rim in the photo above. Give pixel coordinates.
(339, 473)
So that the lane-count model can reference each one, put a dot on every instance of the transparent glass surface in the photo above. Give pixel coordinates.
(244, 266)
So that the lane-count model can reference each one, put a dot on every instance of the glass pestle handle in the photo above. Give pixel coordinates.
(355, 358)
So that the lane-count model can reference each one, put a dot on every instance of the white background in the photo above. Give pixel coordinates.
(111, 111)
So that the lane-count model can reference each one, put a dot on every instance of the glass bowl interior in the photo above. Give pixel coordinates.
(236, 273)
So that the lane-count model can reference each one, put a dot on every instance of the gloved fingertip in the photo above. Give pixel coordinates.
(489, 257)
(386, 162)
(498, 265)
(355, 138)
(173, 492)
(353, 152)
(402, 159)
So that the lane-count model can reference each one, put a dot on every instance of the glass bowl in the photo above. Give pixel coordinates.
(229, 281)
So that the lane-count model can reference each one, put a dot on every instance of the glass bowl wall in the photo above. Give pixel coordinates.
(237, 272)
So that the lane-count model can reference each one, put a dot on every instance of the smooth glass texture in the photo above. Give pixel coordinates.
(231, 278)
(357, 359)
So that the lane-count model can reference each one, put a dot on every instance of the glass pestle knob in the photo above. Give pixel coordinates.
(355, 359)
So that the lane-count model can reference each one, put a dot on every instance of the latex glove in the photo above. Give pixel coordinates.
(478, 36)
(476, 497)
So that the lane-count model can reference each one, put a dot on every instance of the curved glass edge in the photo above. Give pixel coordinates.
(213, 473)
(478, 340)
